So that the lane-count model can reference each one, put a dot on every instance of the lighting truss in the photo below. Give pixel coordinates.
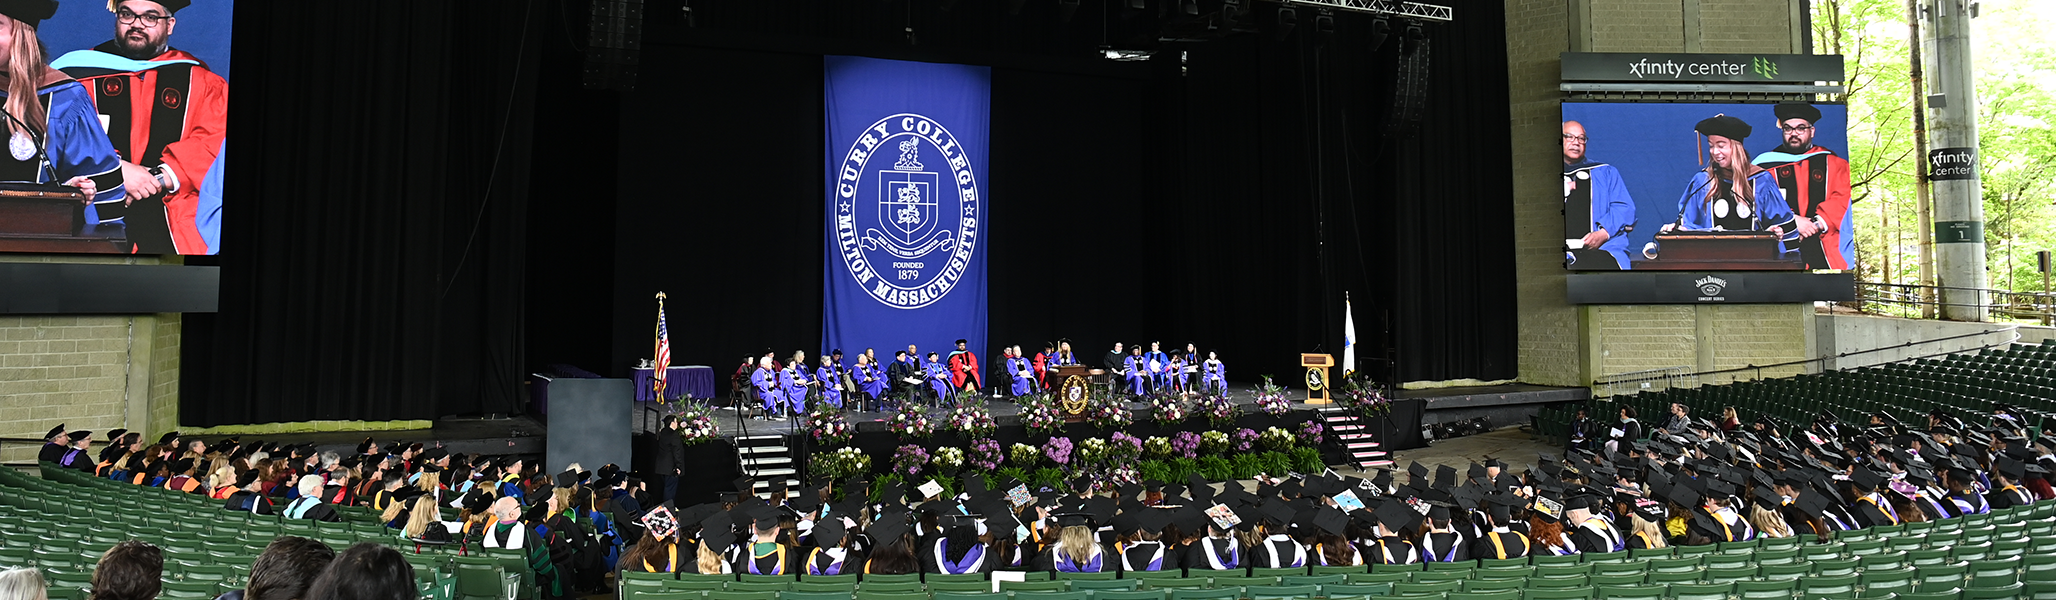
(1393, 8)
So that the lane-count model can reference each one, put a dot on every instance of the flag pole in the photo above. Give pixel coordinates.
(658, 378)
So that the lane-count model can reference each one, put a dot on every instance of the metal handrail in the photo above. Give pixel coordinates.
(1912, 301)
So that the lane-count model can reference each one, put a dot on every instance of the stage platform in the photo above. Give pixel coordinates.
(1499, 405)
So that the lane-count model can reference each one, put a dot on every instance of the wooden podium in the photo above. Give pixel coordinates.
(1717, 251)
(1317, 381)
(49, 218)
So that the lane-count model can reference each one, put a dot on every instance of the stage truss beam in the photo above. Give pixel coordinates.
(1389, 8)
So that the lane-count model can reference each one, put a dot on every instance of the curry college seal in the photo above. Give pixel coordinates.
(906, 211)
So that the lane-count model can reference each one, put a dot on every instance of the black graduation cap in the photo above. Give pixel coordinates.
(1812, 504)
(1127, 523)
(1786, 111)
(1129, 490)
(568, 478)
(1445, 476)
(1396, 515)
(1102, 509)
(1383, 480)
(1417, 470)
(1683, 495)
(806, 502)
(161, 440)
(717, 531)
(409, 493)
(2012, 469)
(1153, 520)
(54, 432)
(1865, 479)
(1277, 513)
(1073, 519)
(1764, 494)
(828, 533)
(1202, 491)
(1719, 489)
(974, 483)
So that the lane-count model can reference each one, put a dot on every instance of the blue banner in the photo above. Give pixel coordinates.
(906, 222)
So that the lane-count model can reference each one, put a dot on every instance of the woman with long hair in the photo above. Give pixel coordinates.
(424, 522)
(1768, 522)
(1549, 536)
(1733, 194)
(53, 131)
(1644, 533)
(958, 551)
(1075, 551)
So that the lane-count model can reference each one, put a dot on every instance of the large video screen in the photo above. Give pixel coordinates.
(121, 153)
(1706, 187)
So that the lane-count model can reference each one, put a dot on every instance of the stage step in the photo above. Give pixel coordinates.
(1346, 427)
(766, 484)
(749, 438)
(760, 449)
(771, 472)
(768, 460)
(1361, 445)
(1369, 455)
(1378, 463)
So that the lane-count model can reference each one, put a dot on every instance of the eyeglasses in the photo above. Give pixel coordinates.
(124, 16)
(1579, 138)
(1796, 129)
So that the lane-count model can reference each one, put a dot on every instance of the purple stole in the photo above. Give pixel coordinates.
(1156, 561)
(1066, 565)
(814, 565)
(968, 564)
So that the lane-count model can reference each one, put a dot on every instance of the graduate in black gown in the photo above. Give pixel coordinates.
(55, 444)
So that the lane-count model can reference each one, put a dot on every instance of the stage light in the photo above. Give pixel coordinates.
(1138, 4)
(1188, 8)
(1287, 19)
(1324, 29)
(1380, 29)
(1127, 55)
(689, 20)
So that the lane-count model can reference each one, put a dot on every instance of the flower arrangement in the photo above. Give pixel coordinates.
(1219, 410)
(1244, 439)
(1362, 396)
(1185, 445)
(1156, 447)
(840, 463)
(1108, 411)
(1169, 409)
(908, 460)
(986, 454)
(1058, 451)
(972, 420)
(1023, 455)
(948, 459)
(1123, 449)
(1271, 398)
(1111, 482)
(829, 425)
(1213, 443)
(1311, 432)
(1039, 415)
(912, 421)
(1091, 453)
(1276, 439)
(695, 422)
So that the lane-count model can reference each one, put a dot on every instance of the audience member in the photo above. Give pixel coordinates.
(131, 570)
(283, 571)
(23, 584)
(366, 571)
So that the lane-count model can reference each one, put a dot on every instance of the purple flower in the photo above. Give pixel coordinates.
(1244, 439)
(1058, 450)
(1311, 430)
(1185, 444)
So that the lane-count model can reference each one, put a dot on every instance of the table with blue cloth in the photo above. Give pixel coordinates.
(695, 381)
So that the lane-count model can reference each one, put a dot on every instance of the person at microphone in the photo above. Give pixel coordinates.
(50, 120)
(1731, 193)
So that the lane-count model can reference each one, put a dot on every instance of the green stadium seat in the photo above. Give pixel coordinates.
(1059, 595)
(1765, 590)
(1948, 594)
(1784, 571)
(1729, 574)
(862, 594)
(1549, 559)
(1263, 592)
(2004, 592)
(1578, 593)
(1937, 577)
(790, 595)
(1674, 577)
(1094, 585)
(1837, 567)
(1634, 592)
(777, 586)
(850, 587)
(1114, 595)
(1229, 594)
(1175, 583)
(1828, 585)
(901, 586)
(778, 579)
(1013, 586)
(1102, 575)
(1491, 585)
(1399, 568)
(892, 578)
(1312, 579)
(1425, 589)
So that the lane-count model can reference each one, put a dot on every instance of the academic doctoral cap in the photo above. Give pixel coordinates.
(1724, 126)
(1786, 111)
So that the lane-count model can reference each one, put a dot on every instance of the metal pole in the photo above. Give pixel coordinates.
(1953, 164)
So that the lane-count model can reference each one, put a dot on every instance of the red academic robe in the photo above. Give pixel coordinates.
(1817, 184)
(962, 365)
(188, 153)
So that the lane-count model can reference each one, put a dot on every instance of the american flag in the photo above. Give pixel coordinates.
(663, 365)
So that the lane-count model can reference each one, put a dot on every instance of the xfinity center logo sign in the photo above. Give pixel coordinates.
(906, 211)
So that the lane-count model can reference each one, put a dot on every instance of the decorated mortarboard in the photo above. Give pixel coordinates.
(1548, 508)
(1223, 517)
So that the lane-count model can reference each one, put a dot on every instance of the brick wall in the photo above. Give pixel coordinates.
(1560, 344)
(60, 369)
(93, 372)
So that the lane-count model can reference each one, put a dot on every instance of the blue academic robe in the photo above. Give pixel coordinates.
(871, 379)
(768, 390)
(1612, 208)
(1022, 385)
(1138, 374)
(794, 380)
(1213, 374)
(830, 391)
(75, 145)
(1162, 360)
(1696, 214)
(938, 379)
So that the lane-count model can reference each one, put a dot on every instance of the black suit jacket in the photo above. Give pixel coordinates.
(670, 457)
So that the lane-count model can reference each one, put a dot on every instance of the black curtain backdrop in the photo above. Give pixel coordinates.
(377, 227)
(1226, 193)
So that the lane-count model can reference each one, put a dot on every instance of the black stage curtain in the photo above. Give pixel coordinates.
(377, 237)
(1229, 201)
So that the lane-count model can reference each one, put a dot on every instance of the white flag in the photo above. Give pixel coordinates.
(1348, 340)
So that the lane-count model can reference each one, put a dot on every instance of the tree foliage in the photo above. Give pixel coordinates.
(2015, 56)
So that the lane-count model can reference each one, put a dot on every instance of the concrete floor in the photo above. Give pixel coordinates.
(1518, 449)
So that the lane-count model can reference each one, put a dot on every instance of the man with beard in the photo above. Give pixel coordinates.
(1816, 187)
(1597, 211)
(166, 114)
